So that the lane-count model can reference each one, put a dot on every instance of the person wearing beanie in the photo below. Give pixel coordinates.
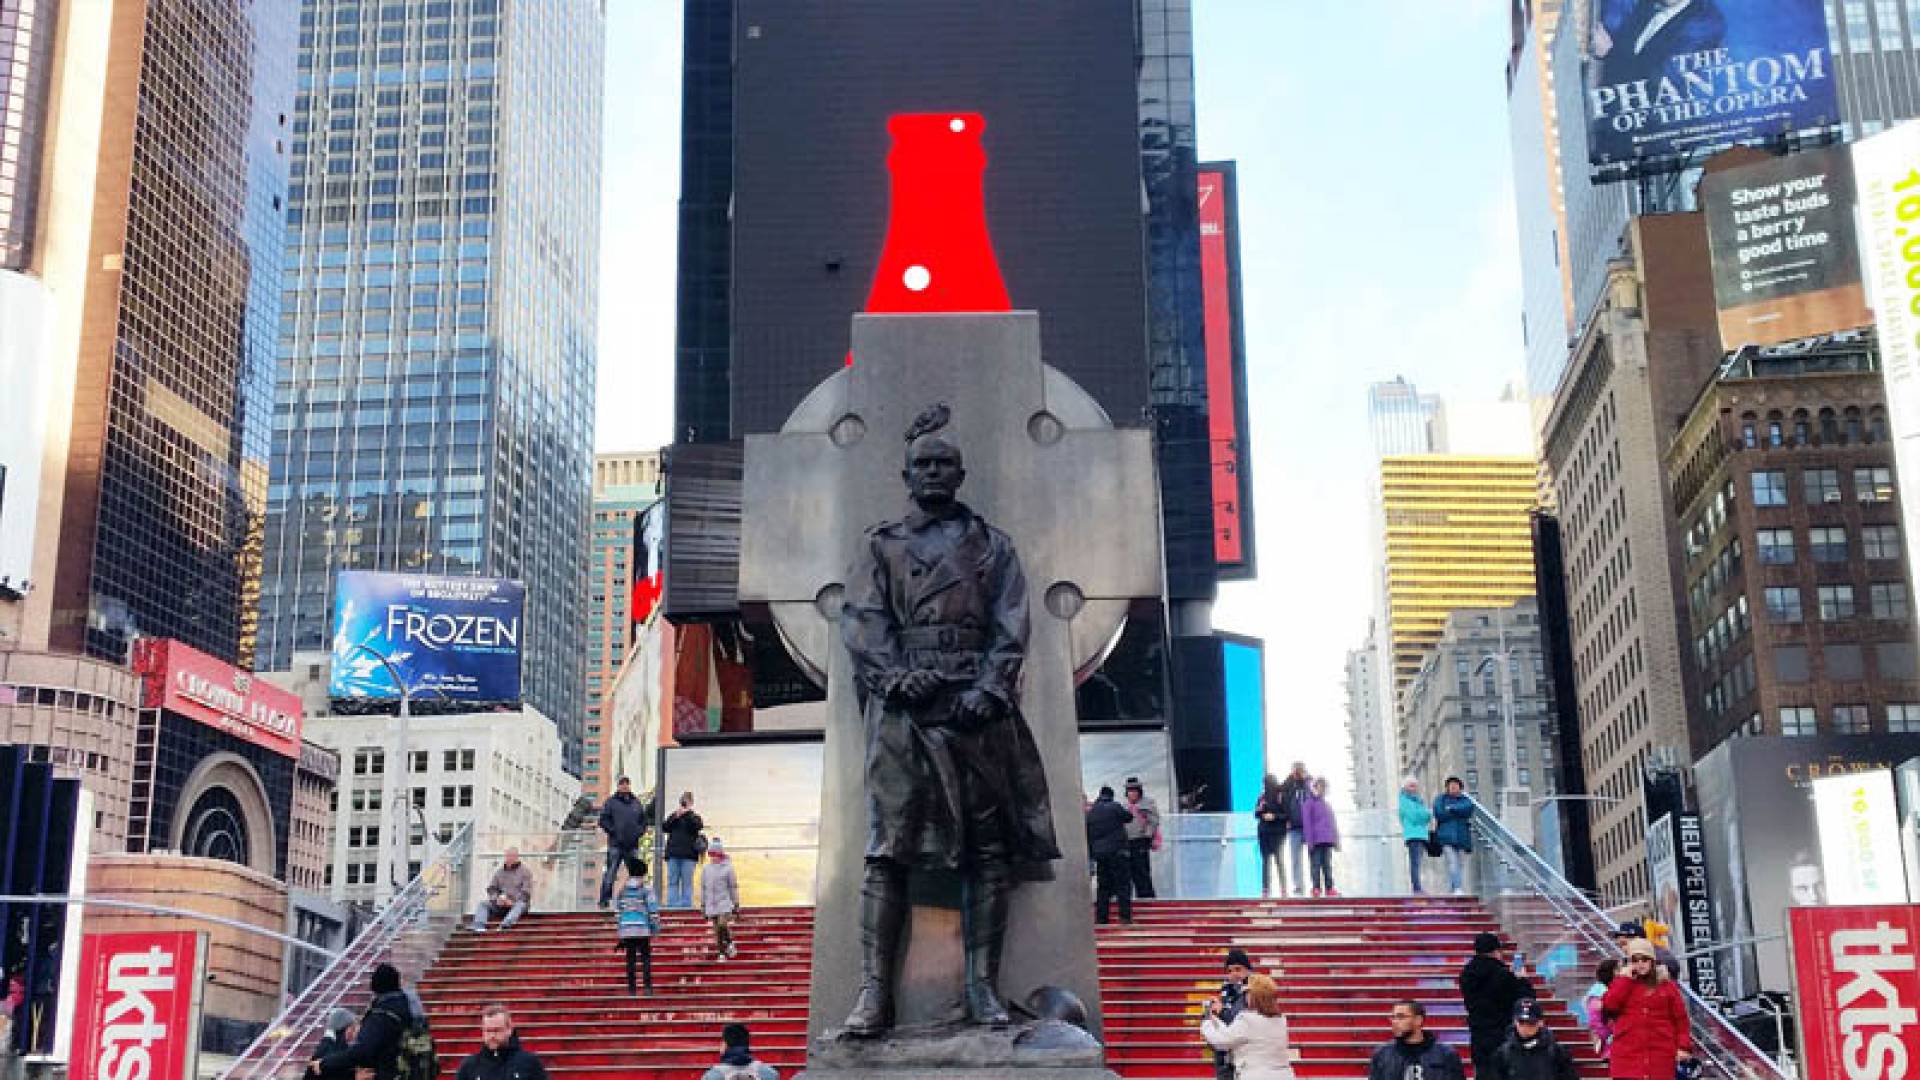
(1531, 1052)
(720, 898)
(736, 1057)
(1107, 846)
(1490, 991)
(342, 1026)
(376, 1045)
(1233, 998)
(1651, 1032)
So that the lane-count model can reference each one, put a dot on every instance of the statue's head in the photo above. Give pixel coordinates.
(934, 469)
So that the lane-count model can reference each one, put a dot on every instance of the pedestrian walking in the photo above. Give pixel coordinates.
(342, 1026)
(1233, 998)
(1651, 1033)
(637, 920)
(1257, 1035)
(500, 1057)
(1143, 837)
(1531, 1052)
(720, 898)
(736, 1058)
(624, 820)
(508, 893)
(1593, 1002)
(1414, 1053)
(1107, 823)
(1490, 990)
(1416, 825)
(1293, 789)
(378, 1043)
(1270, 817)
(1322, 834)
(1453, 828)
(684, 846)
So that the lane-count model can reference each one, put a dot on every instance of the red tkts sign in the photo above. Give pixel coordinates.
(191, 683)
(1856, 981)
(138, 1016)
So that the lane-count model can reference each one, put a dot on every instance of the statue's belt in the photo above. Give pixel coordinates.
(942, 637)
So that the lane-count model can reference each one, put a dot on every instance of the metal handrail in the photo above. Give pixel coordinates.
(408, 933)
(1722, 1048)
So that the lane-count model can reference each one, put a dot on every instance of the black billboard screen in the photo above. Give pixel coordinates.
(1671, 79)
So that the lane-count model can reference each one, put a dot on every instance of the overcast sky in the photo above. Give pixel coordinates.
(1377, 240)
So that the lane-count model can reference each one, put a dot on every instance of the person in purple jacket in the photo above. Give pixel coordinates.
(1321, 834)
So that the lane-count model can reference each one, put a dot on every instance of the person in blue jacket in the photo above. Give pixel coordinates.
(1415, 822)
(1453, 828)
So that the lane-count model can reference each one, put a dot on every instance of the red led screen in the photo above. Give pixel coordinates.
(1226, 397)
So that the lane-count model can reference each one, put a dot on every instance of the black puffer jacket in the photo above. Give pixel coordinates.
(1106, 828)
(1490, 989)
(1539, 1058)
(510, 1062)
(624, 820)
(377, 1047)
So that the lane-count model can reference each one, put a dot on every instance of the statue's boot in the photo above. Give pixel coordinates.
(986, 932)
(883, 911)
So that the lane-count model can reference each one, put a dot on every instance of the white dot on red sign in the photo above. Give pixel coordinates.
(917, 278)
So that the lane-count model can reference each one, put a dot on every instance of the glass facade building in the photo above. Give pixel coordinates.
(436, 395)
(165, 490)
(26, 71)
(624, 486)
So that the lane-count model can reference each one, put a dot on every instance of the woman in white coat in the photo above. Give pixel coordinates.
(1257, 1038)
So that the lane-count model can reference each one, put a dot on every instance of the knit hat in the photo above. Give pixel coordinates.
(340, 1020)
(1134, 784)
(715, 847)
(1642, 947)
(1238, 956)
(1485, 942)
(386, 979)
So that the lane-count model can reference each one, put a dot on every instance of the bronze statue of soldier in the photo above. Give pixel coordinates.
(936, 621)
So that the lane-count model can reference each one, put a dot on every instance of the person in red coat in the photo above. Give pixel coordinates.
(1650, 1029)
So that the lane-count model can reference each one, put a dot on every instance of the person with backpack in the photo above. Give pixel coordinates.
(624, 820)
(720, 898)
(684, 848)
(638, 920)
(1453, 829)
(500, 1057)
(393, 1041)
(737, 1061)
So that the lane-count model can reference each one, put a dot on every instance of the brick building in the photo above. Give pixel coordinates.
(1799, 607)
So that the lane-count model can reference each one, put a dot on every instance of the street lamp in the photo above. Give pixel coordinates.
(398, 875)
(1502, 660)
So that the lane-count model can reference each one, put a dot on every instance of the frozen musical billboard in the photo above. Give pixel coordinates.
(1670, 80)
(452, 638)
(1856, 984)
(138, 1009)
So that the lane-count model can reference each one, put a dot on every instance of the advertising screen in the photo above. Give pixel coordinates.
(1669, 80)
(1242, 663)
(1785, 264)
(139, 1005)
(1886, 171)
(1856, 983)
(1226, 371)
(448, 637)
(1860, 860)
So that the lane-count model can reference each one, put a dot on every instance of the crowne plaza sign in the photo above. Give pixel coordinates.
(139, 1004)
(1857, 985)
(185, 680)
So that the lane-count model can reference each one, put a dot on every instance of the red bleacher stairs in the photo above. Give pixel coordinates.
(1341, 963)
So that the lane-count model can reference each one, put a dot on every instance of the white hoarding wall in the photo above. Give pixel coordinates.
(24, 348)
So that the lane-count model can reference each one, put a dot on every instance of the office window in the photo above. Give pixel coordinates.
(466, 795)
(449, 760)
(1888, 599)
(1845, 662)
(1473, 780)
(1790, 663)
(1776, 546)
(1783, 604)
(417, 761)
(1851, 719)
(1836, 602)
(1822, 485)
(1880, 541)
(1904, 716)
(1798, 720)
(466, 761)
(1873, 485)
(1827, 543)
(446, 798)
(1770, 487)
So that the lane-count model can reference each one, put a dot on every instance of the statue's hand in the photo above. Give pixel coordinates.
(916, 687)
(977, 707)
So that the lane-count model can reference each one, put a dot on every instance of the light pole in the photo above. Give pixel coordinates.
(1502, 661)
(397, 874)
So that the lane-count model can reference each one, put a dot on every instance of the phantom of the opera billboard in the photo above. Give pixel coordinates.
(449, 638)
(1670, 80)
(1785, 263)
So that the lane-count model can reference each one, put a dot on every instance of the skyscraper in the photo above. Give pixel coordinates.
(160, 270)
(436, 395)
(624, 486)
(1402, 418)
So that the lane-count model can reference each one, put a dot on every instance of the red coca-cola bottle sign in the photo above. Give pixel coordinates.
(938, 255)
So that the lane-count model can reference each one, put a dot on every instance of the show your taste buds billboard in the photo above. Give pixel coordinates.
(1669, 80)
(446, 638)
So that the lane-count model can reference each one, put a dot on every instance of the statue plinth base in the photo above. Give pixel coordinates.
(1036, 1050)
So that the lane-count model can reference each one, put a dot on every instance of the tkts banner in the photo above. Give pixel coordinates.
(138, 1011)
(1668, 79)
(1856, 986)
